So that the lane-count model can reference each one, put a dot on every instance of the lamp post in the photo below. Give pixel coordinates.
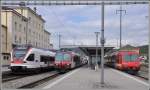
(102, 44)
(0, 45)
(59, 41)
(149, 45)
(96, 60)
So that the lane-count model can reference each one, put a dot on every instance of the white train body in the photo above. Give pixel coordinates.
(24, 58)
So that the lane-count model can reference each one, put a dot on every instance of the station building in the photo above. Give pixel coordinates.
(22, 25)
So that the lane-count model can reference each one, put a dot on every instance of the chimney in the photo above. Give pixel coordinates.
(34, 9)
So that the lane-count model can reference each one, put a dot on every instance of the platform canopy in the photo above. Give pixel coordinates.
(89, 50)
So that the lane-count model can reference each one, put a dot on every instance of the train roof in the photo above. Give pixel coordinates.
(69, 52)
(127, 48)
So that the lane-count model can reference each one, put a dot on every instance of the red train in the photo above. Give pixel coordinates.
(125, 60)
(67, 60)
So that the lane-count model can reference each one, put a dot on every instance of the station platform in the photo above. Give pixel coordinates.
(87, 79)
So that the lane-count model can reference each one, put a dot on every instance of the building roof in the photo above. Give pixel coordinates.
(7, 9)
(36, 14)
(128, 47)
(88, 49)
(47, 32)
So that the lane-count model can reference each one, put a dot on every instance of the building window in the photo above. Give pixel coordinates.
(24, 30)
(20, 40)
(36, 44)
(4, 58)
(19, 27)
(16, 26)
(15, 39)
(39, 36)
(29, 30)
(29, 19)
(29, 42)
(7, 58)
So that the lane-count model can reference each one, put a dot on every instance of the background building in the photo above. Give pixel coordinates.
(36, 33)
(5, 52)
(14, 31)
(22, 25)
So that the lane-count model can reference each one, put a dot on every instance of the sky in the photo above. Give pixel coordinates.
(77, 24)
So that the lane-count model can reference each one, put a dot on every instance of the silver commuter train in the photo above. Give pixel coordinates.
(28, 58)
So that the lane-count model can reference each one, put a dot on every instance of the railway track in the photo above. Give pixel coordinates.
(44, 80)
(27, 81)
(12, 78)
(36, 83)
(143, 75)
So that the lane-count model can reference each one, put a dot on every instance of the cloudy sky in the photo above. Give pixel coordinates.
(77, 24)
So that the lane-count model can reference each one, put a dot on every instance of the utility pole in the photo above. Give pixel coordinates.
(149, 43)
(120, 12)
(96, 60)
(0, 46)
(59, 41)
(102, 44)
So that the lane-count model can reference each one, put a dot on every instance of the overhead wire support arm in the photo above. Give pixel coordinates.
(72, 2)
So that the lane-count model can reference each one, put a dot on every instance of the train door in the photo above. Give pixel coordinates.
(31, 60)
(120, 59)
(72, 62)
(77, 60)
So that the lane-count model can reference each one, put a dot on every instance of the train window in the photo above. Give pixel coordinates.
(30, 57)
(59, 57)
(19, 53)
(67, 57)
(46, 59)
(130, 57)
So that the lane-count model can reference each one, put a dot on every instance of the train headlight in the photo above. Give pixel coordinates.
(56, 64)
(12, 61)
(68, 64)
(125, 65)
(24, 62)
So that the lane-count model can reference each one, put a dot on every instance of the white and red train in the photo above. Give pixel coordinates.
(67, 60)
(28, 58)
(24, 58)
(125, 60)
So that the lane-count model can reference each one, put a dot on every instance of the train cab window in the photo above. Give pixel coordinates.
(30, 57)
(59, 57)
(67, 57)
(130, 58)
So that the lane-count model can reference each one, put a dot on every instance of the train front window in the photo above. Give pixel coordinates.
(59, 57)
(67, 57)
(130, 58)
(19, 53)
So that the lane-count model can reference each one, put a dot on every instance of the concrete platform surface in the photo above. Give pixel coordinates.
(87, 79)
